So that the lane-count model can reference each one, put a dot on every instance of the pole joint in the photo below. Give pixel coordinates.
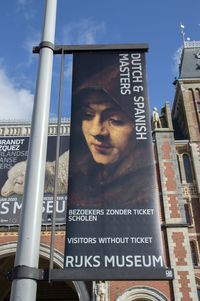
(44, 44)
(25, 272)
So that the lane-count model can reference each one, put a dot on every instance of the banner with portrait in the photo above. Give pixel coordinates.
(112, 213)
(13, 161)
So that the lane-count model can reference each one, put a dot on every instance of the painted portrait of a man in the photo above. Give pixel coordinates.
(112, 214)
(108, 164)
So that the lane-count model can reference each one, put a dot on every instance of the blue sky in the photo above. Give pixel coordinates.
(156, 22)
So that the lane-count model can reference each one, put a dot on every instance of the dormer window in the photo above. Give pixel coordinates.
(187, 168)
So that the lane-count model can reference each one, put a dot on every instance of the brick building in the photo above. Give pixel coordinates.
(177, 163)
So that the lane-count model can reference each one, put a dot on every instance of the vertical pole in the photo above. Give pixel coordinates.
(56, 167)
(31, 216)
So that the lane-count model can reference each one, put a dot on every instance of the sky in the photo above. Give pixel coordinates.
(156, 22)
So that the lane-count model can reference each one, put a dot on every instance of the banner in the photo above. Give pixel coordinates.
(112, 213)
(13, 156)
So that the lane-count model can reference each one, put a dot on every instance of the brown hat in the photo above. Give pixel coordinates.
(105, 80)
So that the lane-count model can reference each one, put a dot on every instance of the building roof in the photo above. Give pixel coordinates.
(190, 60)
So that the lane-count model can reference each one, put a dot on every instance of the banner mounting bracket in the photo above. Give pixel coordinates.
(25, 272)
(70, 49)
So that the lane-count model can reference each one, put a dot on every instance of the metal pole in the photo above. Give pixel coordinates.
(56, 168)
(30, 225)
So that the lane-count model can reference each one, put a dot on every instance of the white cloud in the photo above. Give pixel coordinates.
(28, 46)
(83, 32)
(68, 69)
(21, 2)
(15, 102)
(24, 6)
(86, 31)
(176, 61)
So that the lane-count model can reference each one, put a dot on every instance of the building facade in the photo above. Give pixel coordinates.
(176, 143)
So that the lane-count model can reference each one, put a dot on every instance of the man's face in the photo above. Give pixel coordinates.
(107, 130)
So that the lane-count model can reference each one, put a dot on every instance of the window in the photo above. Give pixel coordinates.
(198, 106)
(187, 214)
(177, 157)
(197, 92)
(193, 252)
(187, 167)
